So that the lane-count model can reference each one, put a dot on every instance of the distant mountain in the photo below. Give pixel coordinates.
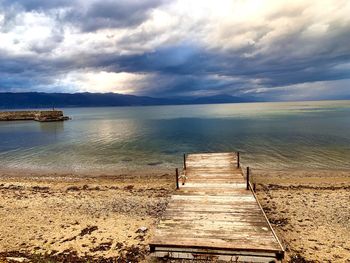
(224, 98)
(10, 100)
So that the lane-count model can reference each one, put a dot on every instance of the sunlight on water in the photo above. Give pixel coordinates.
(269, 135)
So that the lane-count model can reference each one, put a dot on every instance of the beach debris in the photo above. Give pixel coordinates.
(154, 163)
(12, 187)
(142, 229)
(279, 221)
(102, 247)
(73, 188)
(88, 230)
(297, 258)
(17, 259)
(84, 187)
(69, 239)
(129, 187)
(132, 254)
(141, 233)
(119, 245)
(54, 256)
(40, 188)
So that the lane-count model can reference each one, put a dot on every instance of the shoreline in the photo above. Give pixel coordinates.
(158, 169)
(102, 217)
(74, 175)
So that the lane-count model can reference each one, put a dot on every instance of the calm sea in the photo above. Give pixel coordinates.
(294, 135)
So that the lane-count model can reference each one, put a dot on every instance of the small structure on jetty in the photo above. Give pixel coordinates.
(215, 215)
(40, 115)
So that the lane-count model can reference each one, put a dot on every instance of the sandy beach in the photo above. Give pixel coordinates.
(310, 212)
(110, 218)
(80, 219)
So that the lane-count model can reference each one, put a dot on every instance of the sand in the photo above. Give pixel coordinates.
(110, 218)
(57, 218)
(310, 211)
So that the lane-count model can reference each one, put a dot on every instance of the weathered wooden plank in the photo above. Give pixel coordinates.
(222, 199)
(242, 215)
(216, 255)
(212, 171)
(214, 242)
(211, 192)
(213, 185)
(220, 233)
(239, 219)
(203, 180)
(231, 205)
(232, 228)
(244, 244)
(213, 251)
(212, 224)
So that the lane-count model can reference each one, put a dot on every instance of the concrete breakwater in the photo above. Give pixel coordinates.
(40, 115)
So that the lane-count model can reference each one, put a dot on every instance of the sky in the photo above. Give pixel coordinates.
(273, 50)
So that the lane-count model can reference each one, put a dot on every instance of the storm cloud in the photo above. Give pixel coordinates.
(278, 50)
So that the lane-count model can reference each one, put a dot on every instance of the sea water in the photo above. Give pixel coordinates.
(283, 135)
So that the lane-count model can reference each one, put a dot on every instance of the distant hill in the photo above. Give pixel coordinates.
(220, 99)
(24, 100)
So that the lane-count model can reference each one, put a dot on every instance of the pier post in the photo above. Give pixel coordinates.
(248, 174)
(177, 178)
(238, 161)
(184, 161)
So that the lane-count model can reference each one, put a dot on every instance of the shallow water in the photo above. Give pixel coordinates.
(296, 135)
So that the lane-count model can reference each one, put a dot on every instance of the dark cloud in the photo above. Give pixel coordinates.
(111, 14)
(191, 68)
(35, 5)
(27, 73)
(89, 16)
(187, 64)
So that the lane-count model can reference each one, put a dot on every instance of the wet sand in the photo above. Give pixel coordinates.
(110, 218)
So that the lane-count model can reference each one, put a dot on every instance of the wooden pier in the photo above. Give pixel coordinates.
(214, 217)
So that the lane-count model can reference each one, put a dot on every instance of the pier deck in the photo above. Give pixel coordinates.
(212, 216)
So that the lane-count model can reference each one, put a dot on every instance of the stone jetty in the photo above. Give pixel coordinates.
(39, 115)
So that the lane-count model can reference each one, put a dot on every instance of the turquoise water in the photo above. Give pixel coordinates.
(269, 135)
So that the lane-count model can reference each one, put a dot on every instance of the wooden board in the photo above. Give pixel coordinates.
(213, 216)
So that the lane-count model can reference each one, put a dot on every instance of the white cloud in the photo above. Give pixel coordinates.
(28, 29)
